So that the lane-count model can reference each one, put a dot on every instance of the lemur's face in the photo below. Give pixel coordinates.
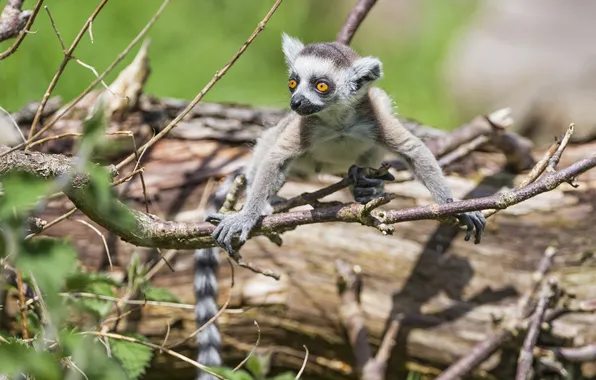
(326, 74)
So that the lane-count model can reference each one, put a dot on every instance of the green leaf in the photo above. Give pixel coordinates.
(258, 365)
(284, 376)
(229, 374)
(82, 282)
(21, 191)
(159, 294)
(90, 356)
(17, 357)
(134, 357)
(50, 261)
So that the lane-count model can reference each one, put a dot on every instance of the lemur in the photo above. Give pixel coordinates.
(338, 122)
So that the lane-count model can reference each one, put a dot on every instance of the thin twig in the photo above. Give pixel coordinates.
(554, 160)
(254, 349)
(218, 75)
(525, 304)
(576, 354)
(55, 29)
(153, 346)
(23, 32)
(89, 88)
(14, 123)
(526, 356)
(22, 306)
(354, 20)
(303, 363)
(105, 243)
(540, 166)
(65, 59)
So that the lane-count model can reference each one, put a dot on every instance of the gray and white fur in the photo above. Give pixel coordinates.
(346, 121)
(339, 121)
(206, 288)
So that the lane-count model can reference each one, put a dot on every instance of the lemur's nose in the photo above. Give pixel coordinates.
(296, 101)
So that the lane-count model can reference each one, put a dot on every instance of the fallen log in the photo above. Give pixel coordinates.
(449, 294)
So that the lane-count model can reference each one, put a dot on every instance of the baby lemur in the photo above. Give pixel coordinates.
(338, 122)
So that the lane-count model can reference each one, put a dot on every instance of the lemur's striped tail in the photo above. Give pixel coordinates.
(206, 288)
(208, 340)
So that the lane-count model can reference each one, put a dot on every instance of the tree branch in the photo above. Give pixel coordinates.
(150, 231)
(15, 22)
(354, 20)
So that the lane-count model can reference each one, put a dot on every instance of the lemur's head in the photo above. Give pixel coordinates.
(326, 74)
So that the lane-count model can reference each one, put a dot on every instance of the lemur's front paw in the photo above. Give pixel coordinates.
(230, 224)
(473, 220)
(366, 187)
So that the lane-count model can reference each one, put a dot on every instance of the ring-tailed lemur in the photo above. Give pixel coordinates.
(338, 119)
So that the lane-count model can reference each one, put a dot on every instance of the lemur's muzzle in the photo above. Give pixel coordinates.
(302, 106)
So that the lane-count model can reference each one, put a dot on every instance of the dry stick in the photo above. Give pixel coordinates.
(354, 20)
(526, 356)
(130, 302)
(303, 363)
(554, 160)
(542, 165)
(22, 305)
(153, 346)
(349, 284)
(525, 302)
(576, 354)
(485, 349)
(218, 75)
(23, 32)
(65, 60)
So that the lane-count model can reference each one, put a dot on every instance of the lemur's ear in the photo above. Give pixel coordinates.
(366, 70)
(291, 47)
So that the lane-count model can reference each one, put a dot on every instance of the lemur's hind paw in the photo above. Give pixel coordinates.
(367, 186)
(230, 224)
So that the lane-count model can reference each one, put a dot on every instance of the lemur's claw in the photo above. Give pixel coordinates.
(473, 220)
(229, 225)
(367, 188)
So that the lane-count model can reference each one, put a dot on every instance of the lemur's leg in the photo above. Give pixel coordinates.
(367, 188)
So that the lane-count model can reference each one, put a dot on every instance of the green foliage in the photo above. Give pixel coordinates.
(21, 191)
(258, 366)
(134, 358)
(152, 293)
(17, 357)
(95, 283)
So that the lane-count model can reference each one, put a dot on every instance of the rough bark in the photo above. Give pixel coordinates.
(445, 291)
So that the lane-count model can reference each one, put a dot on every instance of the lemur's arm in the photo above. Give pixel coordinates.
(265, 175)
(419, 158)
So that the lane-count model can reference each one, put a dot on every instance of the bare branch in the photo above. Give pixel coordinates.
(14, 22)
(354, 20)
(526, 356)
(150, 231)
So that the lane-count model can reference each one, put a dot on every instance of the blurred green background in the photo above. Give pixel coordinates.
(194, 38)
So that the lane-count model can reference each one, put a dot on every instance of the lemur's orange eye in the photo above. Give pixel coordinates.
(292, 84)
(322, 86)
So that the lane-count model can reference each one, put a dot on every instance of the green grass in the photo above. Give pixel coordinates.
(195, 38)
